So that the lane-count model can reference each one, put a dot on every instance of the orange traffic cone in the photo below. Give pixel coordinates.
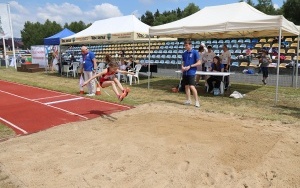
(81, 92)
(98, 92)
(81, 81)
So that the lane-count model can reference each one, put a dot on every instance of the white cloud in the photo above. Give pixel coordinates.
(14, 5)
(276, 6)
(103, 11)
(61, 13)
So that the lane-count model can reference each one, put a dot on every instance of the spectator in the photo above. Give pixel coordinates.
(88, 69)
(216, 66)
(248, 55)
(226, 59)
(265, 60)
(191, 60)
(201, 51)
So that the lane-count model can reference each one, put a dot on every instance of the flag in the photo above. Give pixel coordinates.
(5, 30)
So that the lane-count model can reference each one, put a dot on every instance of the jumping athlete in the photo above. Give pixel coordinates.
(108, 78)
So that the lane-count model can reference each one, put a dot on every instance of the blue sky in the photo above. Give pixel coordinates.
(88, 11)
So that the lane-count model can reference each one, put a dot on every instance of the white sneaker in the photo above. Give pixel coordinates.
(197, 104)
(188, 102)
(90, 95)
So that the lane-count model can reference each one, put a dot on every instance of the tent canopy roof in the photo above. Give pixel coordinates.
(55, 39)
(115, 25)
(227, 21)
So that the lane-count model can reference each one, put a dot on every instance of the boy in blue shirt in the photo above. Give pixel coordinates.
(191, 60)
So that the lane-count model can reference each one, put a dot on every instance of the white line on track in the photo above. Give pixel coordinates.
(13, 125)
(66, 100)
(64, 93)
(44, 104)
(50, 97)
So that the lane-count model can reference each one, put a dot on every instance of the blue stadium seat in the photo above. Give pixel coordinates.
(171, 47)
(162, 47)
(179, 61)
(180, 51)
(175, 51)
(168, 43)
(159, 51)
(214, 42)
(231, 51)
(227, 41)
(161, 61)
(172, 43)
(247, 41)
(243, 46)
(168, 56)
(169, 51)
(142, 61)
(233, 57)
(165, 51)
(233, 41)
(215, 46)
(167, 62)
(238, 51)
(174, 56)
(235, 46)
(157, 56)
(179, 56)
(235, 64)
(220, 46)
(220, 42)
(197, 46)
(217, 51)
(208, 42)
(173, 62)
(153, 56)
(156, 61)
(254, 41)
(240, 41)
(229, 46)
(163, 56)
(197, 42)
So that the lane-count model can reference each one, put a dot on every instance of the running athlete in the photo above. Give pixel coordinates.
(107, 78)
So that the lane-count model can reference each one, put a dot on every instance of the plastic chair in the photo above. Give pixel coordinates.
(136, 71)
(100, 67)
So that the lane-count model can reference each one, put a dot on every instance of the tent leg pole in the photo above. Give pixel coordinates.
(297, 63)
(278, 62)
(4, 51)
(12, 38)
(149, 62)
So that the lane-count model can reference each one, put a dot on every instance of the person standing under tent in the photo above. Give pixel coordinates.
(191, 60)
(265, 60)
(201, 51)
(89, 67)
(226, 58)
(207, 61)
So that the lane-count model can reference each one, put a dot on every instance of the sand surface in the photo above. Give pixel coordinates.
(156, 145)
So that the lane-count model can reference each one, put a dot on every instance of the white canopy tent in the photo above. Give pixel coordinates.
(228, 21)
(116, 29)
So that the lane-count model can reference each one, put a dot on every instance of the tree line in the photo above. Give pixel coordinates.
(34, 33)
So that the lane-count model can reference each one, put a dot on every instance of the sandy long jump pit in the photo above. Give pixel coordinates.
(155, 145)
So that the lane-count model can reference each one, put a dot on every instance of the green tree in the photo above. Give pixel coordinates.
(76, 26)
(32, 34)
(290, 9)
(156, 14)
(148, 18)
(266, 6)
(190, 9)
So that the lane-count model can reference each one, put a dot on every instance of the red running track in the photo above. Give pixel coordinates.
(28, 109)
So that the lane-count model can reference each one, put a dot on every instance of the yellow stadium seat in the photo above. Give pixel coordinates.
(244, 64)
